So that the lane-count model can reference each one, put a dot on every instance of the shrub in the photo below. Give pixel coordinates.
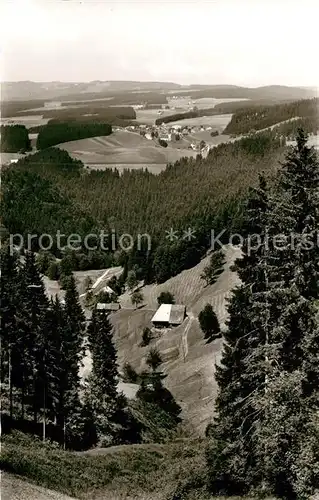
(154, 359)
(165, 298)
(209, 322)
(130, 374)
(146, 337)
(162, 143)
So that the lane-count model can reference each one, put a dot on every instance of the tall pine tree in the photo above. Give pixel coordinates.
(259, 368)
(31, 324)
(11, 342)
(107, 405)
(241, 372)
(72, 351)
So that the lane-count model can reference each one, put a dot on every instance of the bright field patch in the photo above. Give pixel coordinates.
(217, 122)
(148, 116)
(123, 148)
(28, 121)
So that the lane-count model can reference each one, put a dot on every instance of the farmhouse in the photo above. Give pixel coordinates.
(166, 137)
(169, 315)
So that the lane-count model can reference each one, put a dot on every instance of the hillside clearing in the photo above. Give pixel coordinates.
(188, 361)
(217, 122)
(205, 102)
(122, 147)
(28, 121)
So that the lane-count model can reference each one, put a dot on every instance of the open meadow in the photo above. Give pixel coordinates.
(27, 120)
(148, 116)
(123, 148)
(179, 105)
(217, 122)
(211, 102)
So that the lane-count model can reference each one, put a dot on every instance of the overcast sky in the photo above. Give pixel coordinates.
(242, 42)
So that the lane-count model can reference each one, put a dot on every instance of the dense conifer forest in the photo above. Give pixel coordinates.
(119, 98)
(43, 343)
(275, 92)
(56, 192)
(55, 133)
(258, 118)
(233, 106)
(290, 128)
(14, 139)
(100, 111)
(263, 438)
(265, 435)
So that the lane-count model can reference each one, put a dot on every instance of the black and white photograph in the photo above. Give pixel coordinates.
(159, 250)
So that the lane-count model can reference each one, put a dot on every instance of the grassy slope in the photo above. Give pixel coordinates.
(123, 472)
(172, 471)
(188, 360)
(122, 147)
(15, 488)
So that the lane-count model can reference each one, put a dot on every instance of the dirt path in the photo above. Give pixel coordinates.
(14, 488)
(184, 343)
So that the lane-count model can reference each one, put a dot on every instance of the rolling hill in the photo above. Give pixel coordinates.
(24, 90)
(51, 90)
(123, 147)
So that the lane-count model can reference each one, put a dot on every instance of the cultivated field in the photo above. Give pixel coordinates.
(123, 148)
(179, 105)
(211, 102)
(148, 116)
(218, 122)
(212, 141)
(28, 121)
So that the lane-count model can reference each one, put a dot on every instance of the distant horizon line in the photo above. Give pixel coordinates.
(162, 81)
